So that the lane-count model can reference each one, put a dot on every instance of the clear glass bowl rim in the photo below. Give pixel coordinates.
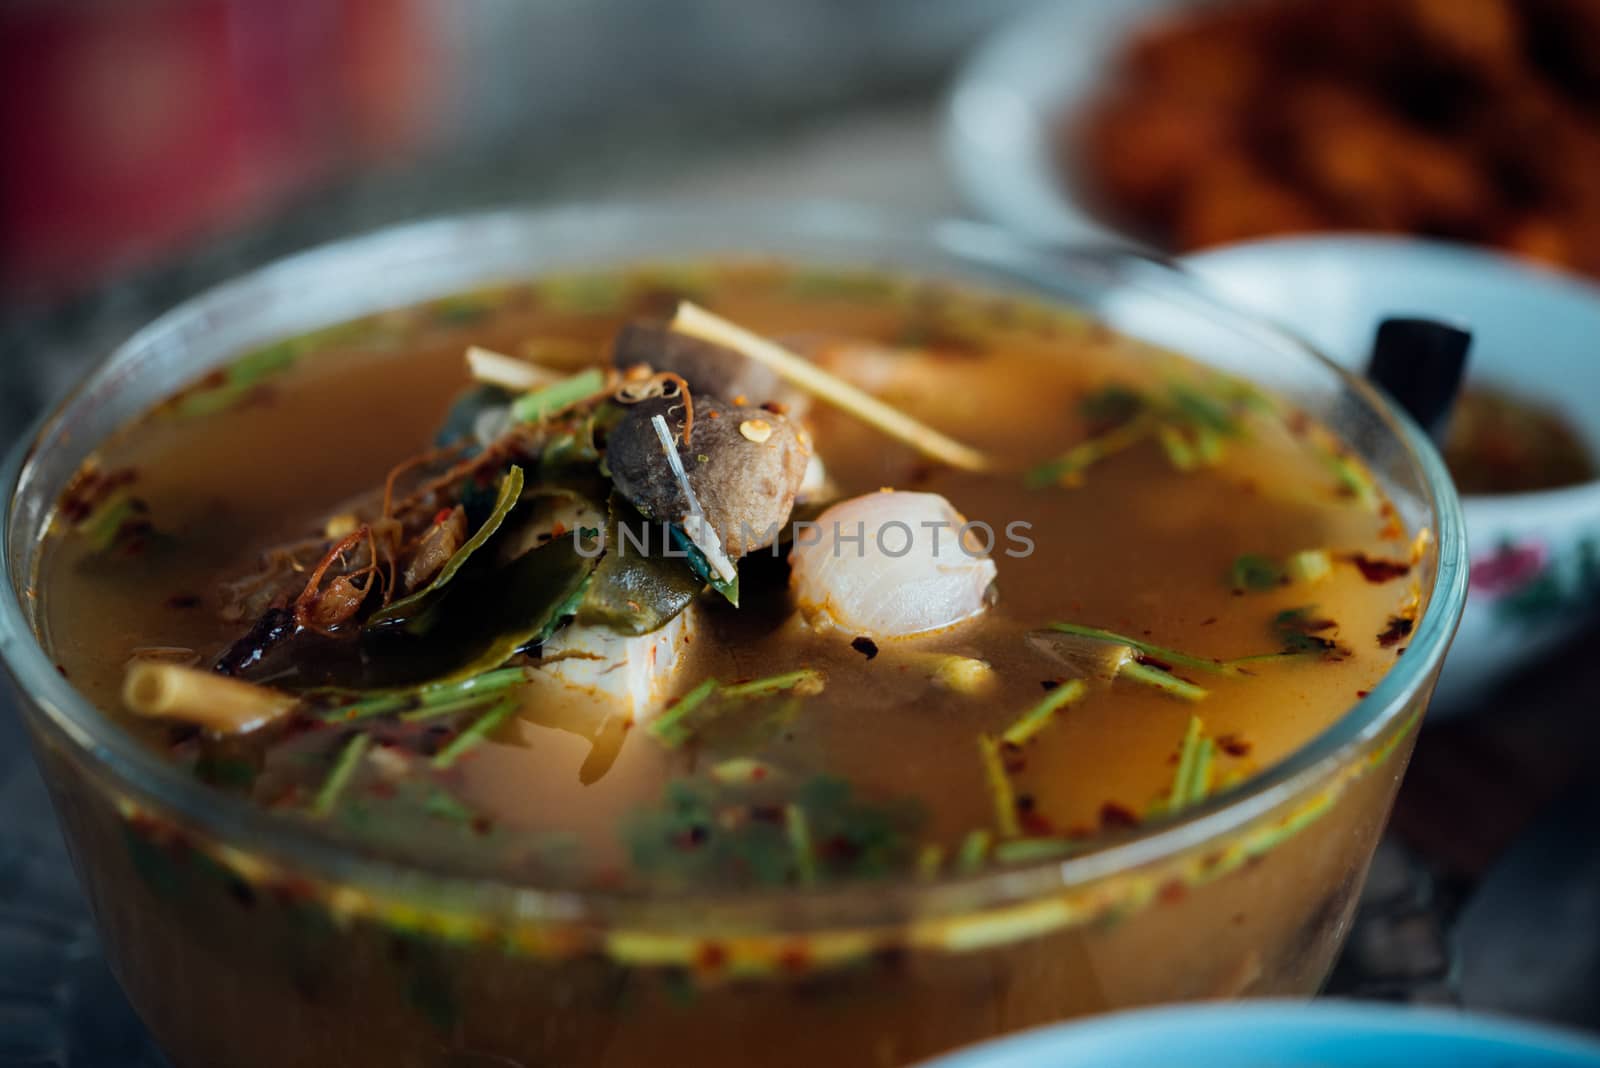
(1010, 264)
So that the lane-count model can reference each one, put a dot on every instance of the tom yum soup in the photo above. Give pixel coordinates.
(733, 582)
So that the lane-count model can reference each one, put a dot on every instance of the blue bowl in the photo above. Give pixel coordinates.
(1267, 1034)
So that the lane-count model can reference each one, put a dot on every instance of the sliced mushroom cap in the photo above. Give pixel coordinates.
(705, 365)
(745, 466)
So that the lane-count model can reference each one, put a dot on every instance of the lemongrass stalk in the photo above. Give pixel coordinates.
(1244, 663)
(438, 709)
(1191, 783)
(807, 682)
(695, 321)
(1179, 453)
(344, 768)
(738, 771)
(798, 829)
(668, 728)
(1000, 792)
(1209, 448)
(1165, 655)
(930, 858)
(430, 701)
(1165, 681)
(204, 698)
(1019, 850)
(475, 733)
(509, 373)
(559, 396)
(1200, 777)
(1188, 754)
(974, 848)
(1067, 469)
(1353, 478)
(1040, 715)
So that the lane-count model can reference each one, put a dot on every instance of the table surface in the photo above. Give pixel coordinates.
(1475, 784)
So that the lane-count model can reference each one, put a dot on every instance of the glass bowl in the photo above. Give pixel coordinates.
(242, 940)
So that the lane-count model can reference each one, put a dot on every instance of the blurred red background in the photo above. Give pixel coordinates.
(127, 128)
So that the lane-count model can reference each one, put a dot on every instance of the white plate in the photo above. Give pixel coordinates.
(1011, 94)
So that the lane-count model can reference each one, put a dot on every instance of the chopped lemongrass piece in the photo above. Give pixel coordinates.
(1309, 565)
(118, 513)
(695, 321)
(1200, 779)
(1191, 784)
(1200, 411)
(1156, 652)
(1176, 446)
(1042, 714)
(974, 848)
(1005, 799)
(447, 708)
(695, 526)
(740, 771)
(1165, 681)
(1353, 479)
(1019, 850)
(430, 701)
(563, 394)
(798, 830)
(475, 732)
(930, 858)
(669, 728)
(1067, 469)
(507, 372)
(204, 698)
(806, 682)
(1208, 447)
(344, 768)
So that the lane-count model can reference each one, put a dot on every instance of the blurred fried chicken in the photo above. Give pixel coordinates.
(1470, 119)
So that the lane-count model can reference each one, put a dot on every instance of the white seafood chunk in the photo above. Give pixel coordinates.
(890, 565)
(631, 674)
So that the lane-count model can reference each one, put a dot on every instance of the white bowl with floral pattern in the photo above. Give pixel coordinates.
(1535, 556)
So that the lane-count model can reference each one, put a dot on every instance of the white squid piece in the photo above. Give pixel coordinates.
(630, 675)
(890, 565)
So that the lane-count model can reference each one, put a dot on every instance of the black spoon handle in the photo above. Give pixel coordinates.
(1421, 364)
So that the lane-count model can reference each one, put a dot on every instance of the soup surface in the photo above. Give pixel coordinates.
(1155, 581)
(1502, 443)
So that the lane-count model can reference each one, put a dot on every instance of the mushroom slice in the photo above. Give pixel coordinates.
(705, 365)
(744, 465)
